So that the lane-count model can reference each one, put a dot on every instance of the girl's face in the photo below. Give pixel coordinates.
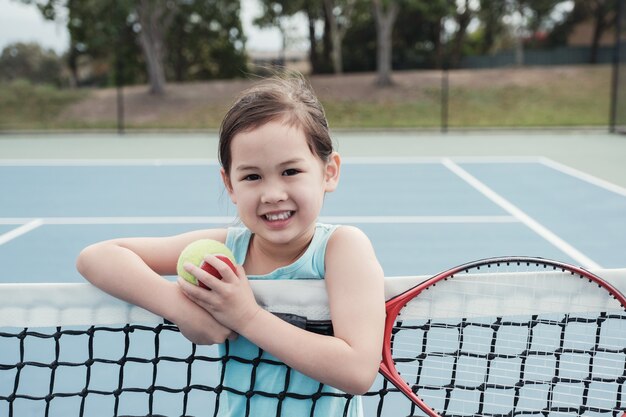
(277, 183)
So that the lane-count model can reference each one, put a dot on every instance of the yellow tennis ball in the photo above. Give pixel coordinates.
(195, 253)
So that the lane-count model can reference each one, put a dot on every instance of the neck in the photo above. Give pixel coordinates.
(264, 257)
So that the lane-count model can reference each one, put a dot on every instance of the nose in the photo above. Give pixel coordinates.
(273, 193)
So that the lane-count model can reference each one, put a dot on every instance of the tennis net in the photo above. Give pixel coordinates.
(71, 350)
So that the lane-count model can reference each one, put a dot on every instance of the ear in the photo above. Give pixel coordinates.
(331, 172)
(228, 185)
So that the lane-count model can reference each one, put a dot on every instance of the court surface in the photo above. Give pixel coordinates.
(423, 211)
(427, 201)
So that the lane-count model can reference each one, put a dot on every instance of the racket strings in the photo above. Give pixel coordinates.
(484, 384)
(488, 347)
(478, 407)
(543, 342)
(498, 394)
(573, 362)
(472, 296)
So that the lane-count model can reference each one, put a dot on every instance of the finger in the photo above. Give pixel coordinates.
(220, 268)
(204, 278)
(241, 273)
(194, 292)
(187, 288)
(199, 296)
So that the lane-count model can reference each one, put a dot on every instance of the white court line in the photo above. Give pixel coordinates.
(382, 160)
(538, 228)
(395, 160)
(192, 161)
(19, 231)
(106, 162)
(497, 159)
(232, 220)
(583, 176)
(121, 220)
(417, 219)
(374, 160)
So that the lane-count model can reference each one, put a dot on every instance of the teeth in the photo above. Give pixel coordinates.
(278, 216)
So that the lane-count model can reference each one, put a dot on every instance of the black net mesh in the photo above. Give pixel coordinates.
(530, 367)
(132, 370)
(559, 365)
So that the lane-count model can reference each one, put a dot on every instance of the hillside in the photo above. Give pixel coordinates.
(540, 96)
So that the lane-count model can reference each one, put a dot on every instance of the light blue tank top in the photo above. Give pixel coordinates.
(284, 387)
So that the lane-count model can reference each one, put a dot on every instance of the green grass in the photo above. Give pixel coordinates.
(580, 100)
(392, 114)
(554, 105)
(204, 117)
(579, 97)
(27, 106)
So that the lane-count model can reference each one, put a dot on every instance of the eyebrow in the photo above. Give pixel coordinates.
(240, 168)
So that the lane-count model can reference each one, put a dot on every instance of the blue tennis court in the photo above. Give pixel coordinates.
(424, 209)
(423, 215)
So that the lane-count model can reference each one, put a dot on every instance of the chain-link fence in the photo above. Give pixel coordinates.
(570, 74)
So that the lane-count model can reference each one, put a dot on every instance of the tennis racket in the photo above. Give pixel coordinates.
(506, 337)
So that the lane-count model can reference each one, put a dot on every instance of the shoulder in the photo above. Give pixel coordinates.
(343, 235)
(353, 277)
(349, 243)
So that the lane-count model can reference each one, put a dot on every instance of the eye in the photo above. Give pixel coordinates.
(252, 177)
(290, 172)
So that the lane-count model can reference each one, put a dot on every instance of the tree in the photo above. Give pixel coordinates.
(338, 14)
(599, 13)
(491, 14)
(540, 18)
(155, 18)
(277, 13)
(128, 34)
(100, 30)
(385, 14)
(359, 42)
(603, 14)
(527, 17)
(418, 36)
(314, 11)
(31, 62)
(205, 41)
(463, 16)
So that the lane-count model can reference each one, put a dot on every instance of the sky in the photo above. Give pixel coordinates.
(23, 23)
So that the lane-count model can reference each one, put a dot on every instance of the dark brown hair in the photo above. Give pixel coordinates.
(287, 97)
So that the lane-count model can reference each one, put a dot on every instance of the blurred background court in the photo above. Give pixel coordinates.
(428, 201)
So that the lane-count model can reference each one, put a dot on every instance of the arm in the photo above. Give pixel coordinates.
(131, 269)
(350, 359)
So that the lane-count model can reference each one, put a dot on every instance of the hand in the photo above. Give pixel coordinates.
(229, 300)
(196, 324)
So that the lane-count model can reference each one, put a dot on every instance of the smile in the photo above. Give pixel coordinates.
(273, 217)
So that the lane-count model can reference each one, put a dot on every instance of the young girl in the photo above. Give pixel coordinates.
(277, 165)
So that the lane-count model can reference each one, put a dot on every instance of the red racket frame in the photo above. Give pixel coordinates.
(395, 304)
